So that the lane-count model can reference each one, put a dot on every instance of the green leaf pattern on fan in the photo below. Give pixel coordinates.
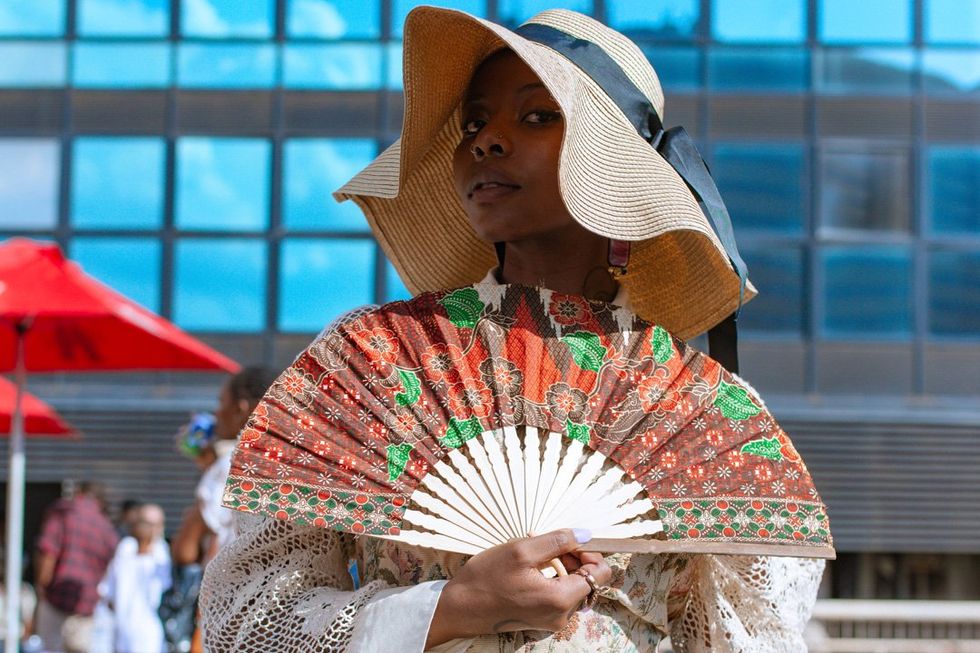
(413, 388)
(460, 431)
(587, 349)
(766, 447)
(397, 459)
(735, 403)
(464, 307)
(580, 432)
(663, 345)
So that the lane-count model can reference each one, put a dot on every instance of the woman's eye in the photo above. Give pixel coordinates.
(540, 117)
(471, 127)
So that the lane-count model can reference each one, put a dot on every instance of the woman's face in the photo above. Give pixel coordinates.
(506, 164)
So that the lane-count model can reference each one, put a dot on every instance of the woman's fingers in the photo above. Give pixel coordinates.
(535, 551)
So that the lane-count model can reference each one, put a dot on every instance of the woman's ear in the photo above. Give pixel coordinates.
(244, 409)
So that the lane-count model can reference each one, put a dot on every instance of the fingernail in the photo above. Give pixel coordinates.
(585, 610)
(582, 535)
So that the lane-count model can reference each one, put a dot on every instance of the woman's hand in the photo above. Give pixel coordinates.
(503, 589)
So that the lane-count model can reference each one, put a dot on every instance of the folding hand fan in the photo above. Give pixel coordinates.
(462, 419)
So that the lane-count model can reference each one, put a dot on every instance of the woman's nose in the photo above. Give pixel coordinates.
(490, 142)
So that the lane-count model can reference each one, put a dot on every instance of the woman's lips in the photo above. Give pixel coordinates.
(490, 191)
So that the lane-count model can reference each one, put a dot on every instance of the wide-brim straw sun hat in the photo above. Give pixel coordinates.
(612, 180)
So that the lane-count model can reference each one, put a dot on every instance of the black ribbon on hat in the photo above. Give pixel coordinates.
(675, 145)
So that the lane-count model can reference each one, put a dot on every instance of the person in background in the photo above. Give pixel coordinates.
(128, 514)
(77, 542)
(135, 582)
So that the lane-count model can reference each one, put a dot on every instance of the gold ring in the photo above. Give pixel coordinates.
(593, 596)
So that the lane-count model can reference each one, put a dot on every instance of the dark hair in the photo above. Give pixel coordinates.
(251, 383)
(129, 504)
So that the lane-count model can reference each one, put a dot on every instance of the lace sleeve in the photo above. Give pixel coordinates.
(282, 587)
(740, 604)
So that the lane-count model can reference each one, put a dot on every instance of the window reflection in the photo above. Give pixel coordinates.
(951, 70)
(130, 266)
(32, 17)
(660, 19)
(954, 190)
(678, 68)
(515, 12)
(952, 21)
(762, 186)
(954, 293)
(323, 279)
(753, 21)
(123, 17)
(334, 19)
(29, 175)
(867, 21)
(117, 183)
(26, 64)
(865, 70)
(865, 190)
(347, 66)
(239, 65)
(867, 292)
(749, 69)
(400, 9)
(395, 290)
(126, 65)
(219, 284)
(222, 183)
(778, 274)
(227, 18)
(313, 169)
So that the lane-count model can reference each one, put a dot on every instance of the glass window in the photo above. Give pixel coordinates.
(868, 21)
(954, 190)
(954, 278)
(130, 266)
(117, 183)
(952, 21)
(749, 69)
(515, 12)
(238, 65)
(313, 170)
(778, 274)
(321, 279)
(123, 17)
(219, 284)
(865, 191)
(121, 65)
(334, 19)
(867, 292)
(400, 9)
(753, 21)
(395, 290)
(762, 185)
(865, 70)
(32, 18)
(227, 18)
(355, 66)
(29, 181)
(678, 68)
(394, 54)
(26, 64)
(951, 71)
(660, 19)
(223, 183)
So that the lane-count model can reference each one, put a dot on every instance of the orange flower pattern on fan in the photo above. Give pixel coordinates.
(569, 309)
(470, 398)
(380, 344)
(405, 383)
(440, 362)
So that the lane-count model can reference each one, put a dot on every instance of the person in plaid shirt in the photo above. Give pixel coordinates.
(76, 544)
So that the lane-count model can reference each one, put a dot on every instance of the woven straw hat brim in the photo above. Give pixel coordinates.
(611, 180)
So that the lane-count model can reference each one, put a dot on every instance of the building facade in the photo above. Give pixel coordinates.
(184, 152)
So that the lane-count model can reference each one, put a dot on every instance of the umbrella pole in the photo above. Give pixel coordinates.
(15, 506)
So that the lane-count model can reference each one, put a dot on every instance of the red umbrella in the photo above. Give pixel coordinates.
(39, 418)
(54, 317)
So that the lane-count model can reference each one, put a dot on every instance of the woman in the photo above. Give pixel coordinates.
(510, 147)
